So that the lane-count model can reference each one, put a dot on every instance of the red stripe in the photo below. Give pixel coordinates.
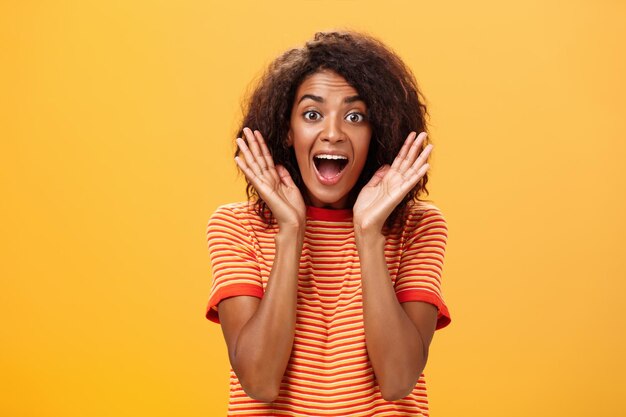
(330, 305)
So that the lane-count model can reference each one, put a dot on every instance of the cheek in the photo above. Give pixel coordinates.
(363, 149)
(302, 153)
(302, 144)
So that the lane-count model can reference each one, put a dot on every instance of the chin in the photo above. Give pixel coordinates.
(330, 200)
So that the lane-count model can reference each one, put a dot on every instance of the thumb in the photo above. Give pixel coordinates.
(378, 176)
(284, 176)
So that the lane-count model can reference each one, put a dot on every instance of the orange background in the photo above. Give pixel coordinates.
(116, 124)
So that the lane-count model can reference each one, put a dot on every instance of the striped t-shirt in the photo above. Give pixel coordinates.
(329, 372)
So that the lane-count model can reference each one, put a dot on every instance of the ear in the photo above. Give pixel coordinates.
(290, 138)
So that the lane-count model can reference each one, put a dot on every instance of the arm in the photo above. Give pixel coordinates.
(397, 336)
(259, 333)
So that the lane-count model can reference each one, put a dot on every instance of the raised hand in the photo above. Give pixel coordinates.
(390, 184)
(273, 183)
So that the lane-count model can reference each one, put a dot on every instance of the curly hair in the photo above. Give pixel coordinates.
(387, 86)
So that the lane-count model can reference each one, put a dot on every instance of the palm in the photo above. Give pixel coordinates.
(383, 197)
(284, 200)
(390, 184)
(273, 183)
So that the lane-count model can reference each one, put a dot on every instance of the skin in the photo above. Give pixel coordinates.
(259, 333)
(328, 116)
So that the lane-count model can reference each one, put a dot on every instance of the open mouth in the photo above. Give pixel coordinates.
(328, 166)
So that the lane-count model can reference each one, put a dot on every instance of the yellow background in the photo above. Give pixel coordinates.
(116, 123)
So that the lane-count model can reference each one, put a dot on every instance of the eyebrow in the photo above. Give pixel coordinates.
(319, 99)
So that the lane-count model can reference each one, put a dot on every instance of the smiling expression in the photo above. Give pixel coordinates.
(330, 134)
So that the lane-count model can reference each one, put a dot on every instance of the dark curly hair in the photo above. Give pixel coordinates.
(395, 105)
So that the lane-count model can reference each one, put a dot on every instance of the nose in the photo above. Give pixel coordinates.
(333, 131)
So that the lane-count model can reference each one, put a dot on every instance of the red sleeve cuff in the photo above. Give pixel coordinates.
(443, 316)
(230, 291)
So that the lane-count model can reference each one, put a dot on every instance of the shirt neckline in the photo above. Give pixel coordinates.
(326, 214)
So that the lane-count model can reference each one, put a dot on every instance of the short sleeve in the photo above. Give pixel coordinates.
(421, 264)
(234, 262)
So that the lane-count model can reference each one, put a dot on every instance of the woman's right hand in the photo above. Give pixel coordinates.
(273, 183)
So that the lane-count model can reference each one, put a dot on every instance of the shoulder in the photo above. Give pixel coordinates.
(424, 217)
(240, 215)
(231, 209)
(241, 212)
(233, 215)
(423, 211)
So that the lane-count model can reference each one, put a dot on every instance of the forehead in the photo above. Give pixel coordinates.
(326, 83)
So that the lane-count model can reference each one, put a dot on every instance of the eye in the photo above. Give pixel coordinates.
(355, 117)
(311, 115)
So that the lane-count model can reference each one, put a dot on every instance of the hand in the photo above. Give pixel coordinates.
(390, 184)
(273, 183)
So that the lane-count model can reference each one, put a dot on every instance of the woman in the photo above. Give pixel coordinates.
(327, 283)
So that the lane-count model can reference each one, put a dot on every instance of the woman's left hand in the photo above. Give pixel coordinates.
(390, 184)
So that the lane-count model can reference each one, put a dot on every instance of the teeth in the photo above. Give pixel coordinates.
(326, 156)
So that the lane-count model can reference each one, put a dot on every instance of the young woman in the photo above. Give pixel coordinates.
(327, 282)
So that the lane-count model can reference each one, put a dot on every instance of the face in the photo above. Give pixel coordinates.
(330, 135)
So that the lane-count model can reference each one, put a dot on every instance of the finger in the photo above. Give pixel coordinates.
(267, 156)
(421, 160)
(250, 162)
(413, 152)
(285, 177)
(415, 174)
(416, 171)
(378, 176)
(250, 175)
(264, 149)
(404, 150)
(255, 150)
(254, 147)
